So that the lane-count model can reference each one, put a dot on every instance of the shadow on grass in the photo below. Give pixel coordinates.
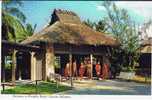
(41, 88)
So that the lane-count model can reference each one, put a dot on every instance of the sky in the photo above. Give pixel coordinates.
(39, 12)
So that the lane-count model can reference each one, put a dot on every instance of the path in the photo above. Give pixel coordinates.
(109, 87)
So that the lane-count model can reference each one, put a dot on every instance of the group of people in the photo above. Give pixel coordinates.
(86, 67)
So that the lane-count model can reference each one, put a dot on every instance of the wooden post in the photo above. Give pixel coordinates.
(44, 77)
(3, 68)
(14, 66)
(33, 74)
(20, 75)
(71, 78)
(91, 58)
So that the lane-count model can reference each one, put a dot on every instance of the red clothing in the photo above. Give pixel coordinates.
(81, 71)
(105, 71)
(98, 69)
(67, 71)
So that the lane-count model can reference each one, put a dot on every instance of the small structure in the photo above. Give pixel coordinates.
(64, 40)
(145, 56)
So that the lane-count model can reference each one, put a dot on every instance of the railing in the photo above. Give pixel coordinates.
(56, 77)
(4, 84)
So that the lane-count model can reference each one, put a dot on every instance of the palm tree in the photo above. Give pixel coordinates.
(12, 19)
(89, 23)
(28, 31)
(101, 26)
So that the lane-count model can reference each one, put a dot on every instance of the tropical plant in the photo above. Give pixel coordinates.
(28, 31)
(89, 23)
(124, 30)
(12, 19)
(101, 26)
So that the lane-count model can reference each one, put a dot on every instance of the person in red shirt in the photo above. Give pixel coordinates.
(98, 69)
(81, 70)
(67, 70)
(105, 69)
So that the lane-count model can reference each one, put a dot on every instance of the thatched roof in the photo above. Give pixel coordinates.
(146, 49)
(70, 31)
(65, 16)
(146, 46)
(147, 41)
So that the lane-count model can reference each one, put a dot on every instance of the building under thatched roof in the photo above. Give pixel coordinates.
(64, 40)
(66, 27)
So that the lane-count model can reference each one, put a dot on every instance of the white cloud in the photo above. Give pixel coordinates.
(141, 8)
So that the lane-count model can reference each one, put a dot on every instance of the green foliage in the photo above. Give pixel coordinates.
(128, 69)
(123, 29)
(28, 31)
(13, 20)
(42, 88)
(89, 23)
(57, 62)
(101, 26)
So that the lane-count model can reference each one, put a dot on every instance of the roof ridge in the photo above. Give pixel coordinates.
(64, 12)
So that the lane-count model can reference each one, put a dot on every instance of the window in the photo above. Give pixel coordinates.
(57, 62)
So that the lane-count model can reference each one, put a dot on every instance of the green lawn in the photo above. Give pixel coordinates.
(42, 88)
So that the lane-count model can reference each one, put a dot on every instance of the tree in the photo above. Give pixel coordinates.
(123, 29)
(89, 23)
(101, 26)
(28, 31)
(12, 19)
(14, 27)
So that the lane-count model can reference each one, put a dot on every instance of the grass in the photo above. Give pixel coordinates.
(42, 88)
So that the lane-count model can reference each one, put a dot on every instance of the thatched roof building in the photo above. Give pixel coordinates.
(66, 27)
(65, 38)
(146, 46)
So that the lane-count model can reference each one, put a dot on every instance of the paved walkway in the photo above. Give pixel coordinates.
(109, 87)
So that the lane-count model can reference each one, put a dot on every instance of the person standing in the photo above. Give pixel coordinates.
(105, 69)
(67, 70)
(98, 69)
(81, 70)
(89, 69)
